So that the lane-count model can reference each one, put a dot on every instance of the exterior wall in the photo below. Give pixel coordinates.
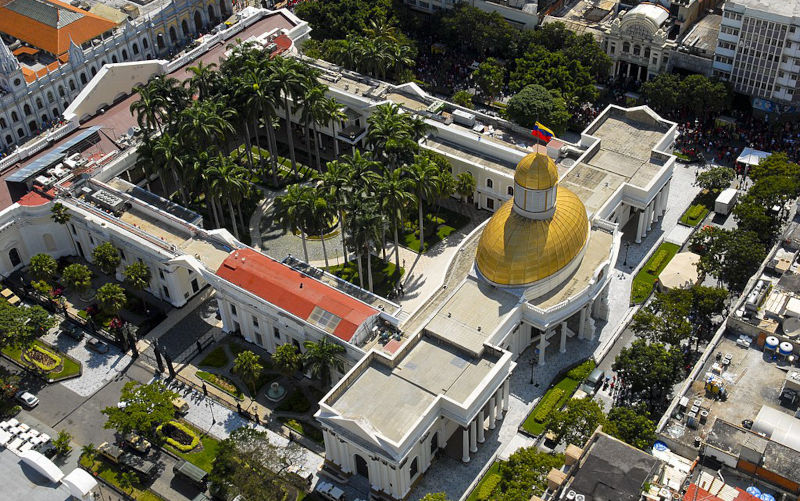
(768, 476)
(634, 39)
(516, 16)
(719, 455)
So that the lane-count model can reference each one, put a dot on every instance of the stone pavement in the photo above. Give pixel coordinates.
(173, 318)
(98, 369)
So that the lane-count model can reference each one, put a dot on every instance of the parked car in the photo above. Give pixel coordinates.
(96, 345)
(329, 491)
(27, 399)
(192, 473)
(73, 331)
(593, 382)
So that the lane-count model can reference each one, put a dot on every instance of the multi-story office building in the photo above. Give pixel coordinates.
(758, 51)
(521, 13)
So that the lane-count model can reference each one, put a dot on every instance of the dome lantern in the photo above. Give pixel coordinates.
(535, 186)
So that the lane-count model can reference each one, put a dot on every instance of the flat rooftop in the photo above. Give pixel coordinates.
(752, 380)
(702, 37)
(472, 314)
(781, 7)
(20, 481)
(391, 400)
(598, 250)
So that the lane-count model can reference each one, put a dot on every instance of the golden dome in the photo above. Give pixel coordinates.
(536, 171)
(515, 250)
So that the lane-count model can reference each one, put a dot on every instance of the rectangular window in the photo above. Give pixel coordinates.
(233, 309)
(166, 291)
(161, 273)
(74, 232)
(121, 254)
(259, 340)
(91, 240)
(255, 321)
(276, 332)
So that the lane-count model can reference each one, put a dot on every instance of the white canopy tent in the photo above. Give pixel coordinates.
(44, 466)
(680, 272)
(80, 483)
(750, 156)
(778, 426)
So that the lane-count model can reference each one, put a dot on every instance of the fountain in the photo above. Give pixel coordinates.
(276, 392)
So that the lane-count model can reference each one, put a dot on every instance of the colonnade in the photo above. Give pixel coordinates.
(475, 433)
(650, 214)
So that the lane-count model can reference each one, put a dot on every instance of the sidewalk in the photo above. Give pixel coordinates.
(173, 317)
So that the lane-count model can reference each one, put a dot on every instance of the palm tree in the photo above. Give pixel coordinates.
(423, 176)
(248, 366)
(137, 275)
(231, 180)
(365, 230)
(311, 109)
(395, 194)
(60, 215)
(111, 298)
(264, 95)
(333, 114)
(147, 109)
(202, 79)
(390, 135)
(168, 149)
(321, 215)
(320, 357)
(292, 210)
(290, 83)
(336, 182)
(203, 173)
(465, 185)
(89, 451)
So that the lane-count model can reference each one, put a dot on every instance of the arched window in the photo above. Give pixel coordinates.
(626, 47)
(185, 28)
(83, 78)
(160, 38)
(145, 43)
(14, 116)
(124, 55)
(3, 123)
(55, 112)
(489, 183)
(413, 469)
(434, 443)
(39, 103)
(27, 110)
(9, 139)
(94, 71)
(173, 36)
(44, 118)
(50, 97)
(647, 52)
(636, 50)
(135, 48)
(61, 91)
(20, 132)
(71, 85)
(510, 190)
(114, 59)
(13, 256)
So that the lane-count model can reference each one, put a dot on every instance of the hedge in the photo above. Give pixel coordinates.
(547, 404)
(655, 262)
(487, 486)
(174, 443)
(582, 371)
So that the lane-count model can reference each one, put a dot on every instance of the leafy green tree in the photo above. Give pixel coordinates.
(662, 93)
(77, 277)
(715, 179)
(525, 473)
(777, 164)
(146, 406)
(731, 256)
(631, 425)
(330, 19)
(43, 267)
(14, 326)
(555, 72)
(535, 104)
(61, 443)
(287, 359)
(581, 48)
(474, 31)
(703, 96)
(248, 366)
(463, 98)
(489, 78)
(126, 480)
(38, 321)
(250, 465)
(106, 257)
(649, 370)
(752, 216)
(112, 298)
(577, 421)
(320, 356)
(137, 275)
(465, 185)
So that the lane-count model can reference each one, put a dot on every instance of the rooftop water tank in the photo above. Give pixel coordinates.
(771, 343)
(785, 348)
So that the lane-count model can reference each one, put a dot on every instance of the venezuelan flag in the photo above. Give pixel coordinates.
(542, 132)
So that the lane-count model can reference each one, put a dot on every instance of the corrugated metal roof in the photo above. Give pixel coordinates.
(47, 13)
(51, 158)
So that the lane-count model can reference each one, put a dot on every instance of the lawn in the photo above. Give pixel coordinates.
(303, 428)
(699, 209)
(644, 280)
(556, 397)
(384, 275)
(217, 358)
(203, 458)
(222, 383)
(484, 489)
(438, 226)
(111, 473)
(69, 367)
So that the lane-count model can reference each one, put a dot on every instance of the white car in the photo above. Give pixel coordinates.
(27, 399)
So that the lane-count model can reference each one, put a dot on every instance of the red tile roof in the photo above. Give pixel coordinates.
(292, 291)
(704, 495)
(33, 199)
(77, 24)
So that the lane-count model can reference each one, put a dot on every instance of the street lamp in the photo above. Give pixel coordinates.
(627, 246)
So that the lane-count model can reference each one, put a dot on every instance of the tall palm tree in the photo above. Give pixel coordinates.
(365, 228)
(311, 110)
(148, 109)
(394, 191)
(265, 96)
(320, 356)
(423, 176)
(230, 180)
(333, 114)
(168, 149)
(321, 215)
(248, 366)
(202, 79)
(292, 210)
(289, 83)
(363, 170)
(60, 215)
(336, 182)
(390, 135)
(203, 174)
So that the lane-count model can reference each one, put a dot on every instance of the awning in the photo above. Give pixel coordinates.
(749, 156)
(38, 462)
(80, 483)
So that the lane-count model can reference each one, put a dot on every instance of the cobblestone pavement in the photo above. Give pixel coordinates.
(195, 324)
(98, 369)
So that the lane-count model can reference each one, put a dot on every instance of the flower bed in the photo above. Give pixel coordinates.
(66, 368)
(221, 383)
(179, 436)
(555, 398)
(303, 428)
(42, 358)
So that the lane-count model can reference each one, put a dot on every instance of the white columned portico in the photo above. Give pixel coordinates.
(492, 413)
(649, 218)
(465, 445)
(473, 445)
(640, 227)
(506, 391)
(563, 347)
(542, 346)
(498, 402)
(582, 324)
(481, 424)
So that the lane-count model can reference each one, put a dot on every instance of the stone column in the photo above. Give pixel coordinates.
(665, 190)
(481, 425)
(465, 445)
(542, 347)
(492, 413)
(327, 440)
(582, 323)
(506, 391)
(498, 402)
(563, 348)
(649, 219)
(473, 445)
(640, 227)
